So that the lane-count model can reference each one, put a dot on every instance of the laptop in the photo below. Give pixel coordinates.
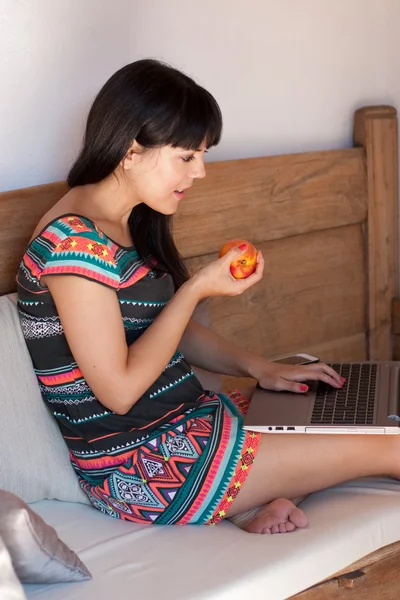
(367, 403)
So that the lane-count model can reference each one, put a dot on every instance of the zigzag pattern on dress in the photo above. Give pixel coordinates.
(40, 327)
(169, 387)
(146, 484)
(71, 401)
(30, 302)
(84, 419)
(132, 323)
(176, 359)
(75, 388)
(137, 303)
(27, 273)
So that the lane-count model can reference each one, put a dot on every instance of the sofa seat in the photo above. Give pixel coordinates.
(223, 563)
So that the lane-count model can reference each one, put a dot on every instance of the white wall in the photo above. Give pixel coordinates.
(288, 75)
(54, 57)
(393, 52)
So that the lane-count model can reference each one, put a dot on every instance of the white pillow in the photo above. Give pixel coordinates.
(34, 459)
(37, 553)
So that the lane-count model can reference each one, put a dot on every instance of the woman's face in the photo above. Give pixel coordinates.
(160, 177)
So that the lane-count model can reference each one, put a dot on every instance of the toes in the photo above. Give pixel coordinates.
(266, 530)
(275, 529)
(290, 527)
(280, 516)
(298, 518)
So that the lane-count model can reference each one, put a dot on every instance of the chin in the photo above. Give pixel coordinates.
(165, 207)
(166, 212)
(171, 209)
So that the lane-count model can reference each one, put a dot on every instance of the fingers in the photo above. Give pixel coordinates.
(285, 385)
(233, 253)
(254, 277)
(324, 373)
(293, 380)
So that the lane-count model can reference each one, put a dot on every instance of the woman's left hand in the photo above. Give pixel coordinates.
(279, 377)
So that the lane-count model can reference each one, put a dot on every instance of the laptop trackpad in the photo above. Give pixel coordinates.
(279, 408)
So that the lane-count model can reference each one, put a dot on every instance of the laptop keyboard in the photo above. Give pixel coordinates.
(354, 403)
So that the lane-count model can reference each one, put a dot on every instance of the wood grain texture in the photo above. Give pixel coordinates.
(268, 198)
(259, 199)
(370, 559)
(380, 581)
(20, 212)
(311, 295)
(376, 129)
(396, 328)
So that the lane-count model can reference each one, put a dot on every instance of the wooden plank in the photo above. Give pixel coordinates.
(311, 294)
(371, 559)
(20, 211)
(350, 348)
(396, 328)
(396, 347)
(268, 198)
(396, 316)
(376, 130)
(381, 582)
(283, 196)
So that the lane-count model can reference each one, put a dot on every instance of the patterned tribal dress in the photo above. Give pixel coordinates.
(180, 454)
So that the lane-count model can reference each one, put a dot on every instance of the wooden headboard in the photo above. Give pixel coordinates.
(325, 221)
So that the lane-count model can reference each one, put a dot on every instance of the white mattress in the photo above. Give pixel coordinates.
(223, 562)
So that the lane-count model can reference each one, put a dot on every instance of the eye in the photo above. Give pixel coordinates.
(187, 159)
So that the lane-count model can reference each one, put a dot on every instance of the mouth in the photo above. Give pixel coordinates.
(180, 193)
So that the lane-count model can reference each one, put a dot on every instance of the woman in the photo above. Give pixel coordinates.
(106, 304)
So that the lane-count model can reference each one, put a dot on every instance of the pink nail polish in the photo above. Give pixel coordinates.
(304, 388)
(243, 247)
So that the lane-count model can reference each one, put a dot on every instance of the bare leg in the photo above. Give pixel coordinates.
(288, 466)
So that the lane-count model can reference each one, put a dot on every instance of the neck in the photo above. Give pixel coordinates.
(110, 200)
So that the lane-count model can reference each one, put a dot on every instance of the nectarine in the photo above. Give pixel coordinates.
(245, 264)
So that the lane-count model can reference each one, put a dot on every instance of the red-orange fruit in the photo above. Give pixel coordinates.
(245, 264)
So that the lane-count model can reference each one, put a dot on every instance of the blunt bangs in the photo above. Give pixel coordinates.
(186, 117)
(199, 121)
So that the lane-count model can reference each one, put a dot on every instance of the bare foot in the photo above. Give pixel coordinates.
(279, 516)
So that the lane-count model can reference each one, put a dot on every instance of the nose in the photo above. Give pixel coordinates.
(199, 169)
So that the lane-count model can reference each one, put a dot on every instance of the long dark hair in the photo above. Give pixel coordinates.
(156, 105)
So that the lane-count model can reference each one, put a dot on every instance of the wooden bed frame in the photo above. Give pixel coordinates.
(327, 223)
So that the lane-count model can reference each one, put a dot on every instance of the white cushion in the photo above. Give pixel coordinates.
(34, 459)
(223, 562)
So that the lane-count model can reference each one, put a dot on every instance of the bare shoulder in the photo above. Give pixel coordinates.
(65, 205)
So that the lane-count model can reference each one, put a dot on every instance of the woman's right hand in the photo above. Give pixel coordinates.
(216, 278)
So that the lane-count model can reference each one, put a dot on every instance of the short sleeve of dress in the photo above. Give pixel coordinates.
(73, 245)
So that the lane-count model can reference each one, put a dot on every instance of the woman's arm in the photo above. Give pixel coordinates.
(91, 318)
(207, 350)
